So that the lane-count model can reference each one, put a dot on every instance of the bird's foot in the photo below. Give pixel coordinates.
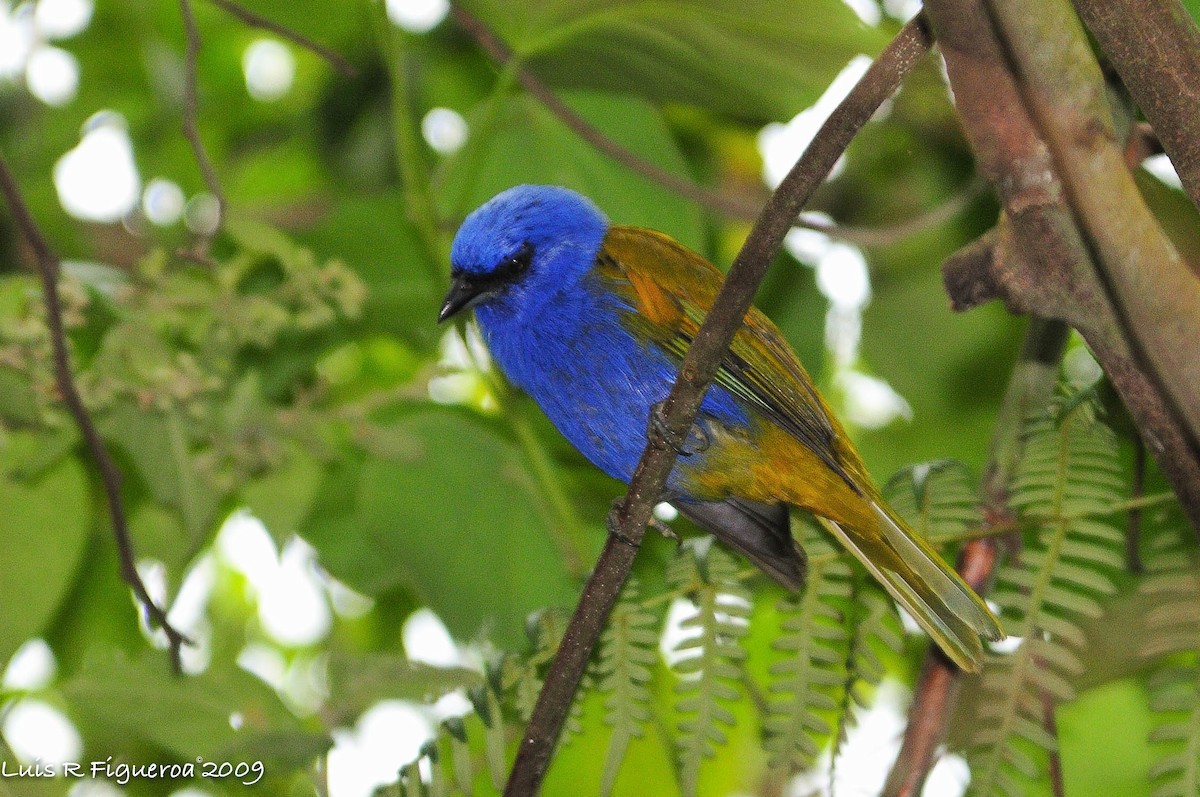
(663, 437)
(613, 524)
(665, 530)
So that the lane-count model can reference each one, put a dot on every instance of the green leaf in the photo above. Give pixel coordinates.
(282, 498)
(756, 59)
(140, 700)
(157, 446)
(372, 234)
(454, 519)
(530, 145)
(44, 526)
(357, 682)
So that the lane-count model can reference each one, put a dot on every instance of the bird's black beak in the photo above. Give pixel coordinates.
(462, 294)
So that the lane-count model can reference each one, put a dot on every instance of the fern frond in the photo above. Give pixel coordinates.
(451, 741)
(628, 655)
(462, 764)
(521, 676)
(1173, 639)
(875, 623)
(815, 641)
(1068, 475)
(486, 703)
(938, 500)
(710, 669)
(876, 626)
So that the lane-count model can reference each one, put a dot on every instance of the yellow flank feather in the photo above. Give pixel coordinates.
(794, 451)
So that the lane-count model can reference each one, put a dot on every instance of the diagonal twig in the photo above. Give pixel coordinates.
(48, 268)
(335, 59)
(679, 409)
(732, 206)
(492, 44)
(191, 110)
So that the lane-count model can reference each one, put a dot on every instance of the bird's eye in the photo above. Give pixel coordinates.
(520, 261)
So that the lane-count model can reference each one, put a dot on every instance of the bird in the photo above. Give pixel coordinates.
(592, 321)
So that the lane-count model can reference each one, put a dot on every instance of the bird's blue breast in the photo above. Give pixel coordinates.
(593, 379)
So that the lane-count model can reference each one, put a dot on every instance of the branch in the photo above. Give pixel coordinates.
(1030, 386)
(1154, 295)
(48, 268)
(335, 59)
(191, 110)
(732, 206)
(1155, 47)
(679, 409)
(1041, 260)
(1050, 726)
(901, 230)
(1038, 261)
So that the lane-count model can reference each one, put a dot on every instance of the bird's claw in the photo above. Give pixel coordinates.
(613, 524)
(665, 530)
(661, 436)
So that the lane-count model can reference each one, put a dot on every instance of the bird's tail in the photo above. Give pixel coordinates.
(923, 584)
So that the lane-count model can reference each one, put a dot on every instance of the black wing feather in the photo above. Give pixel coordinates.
(760, 532)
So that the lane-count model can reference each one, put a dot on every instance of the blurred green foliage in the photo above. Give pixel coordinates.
(292, 377)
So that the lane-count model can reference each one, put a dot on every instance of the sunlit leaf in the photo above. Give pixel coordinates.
(44, 525)
(761, 59)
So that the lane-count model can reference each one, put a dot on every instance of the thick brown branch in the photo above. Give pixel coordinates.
(729, 205)
(1038, 261)
(1041, 263)
(335, 59)
(680, 407)
(1155, 47)
(110, 476)
(1154, 295)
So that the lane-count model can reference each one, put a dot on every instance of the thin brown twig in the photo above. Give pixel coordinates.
(193, 256)
(48, 268)
(902, 230)
(191, 110)
(677, 412)
(335, 59)
(492, 44)
(733, 206)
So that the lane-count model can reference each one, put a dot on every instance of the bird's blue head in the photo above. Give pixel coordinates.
(513, 253)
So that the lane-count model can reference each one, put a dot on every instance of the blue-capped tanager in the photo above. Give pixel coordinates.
(592, 320)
